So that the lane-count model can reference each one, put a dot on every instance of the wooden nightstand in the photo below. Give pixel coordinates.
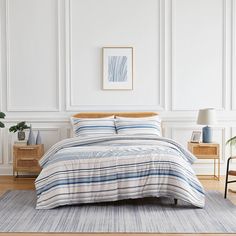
(207, 151)
(26, 158)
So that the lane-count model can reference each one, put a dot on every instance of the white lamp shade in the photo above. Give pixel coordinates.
(206, 116)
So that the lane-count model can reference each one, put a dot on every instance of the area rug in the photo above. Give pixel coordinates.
(149, 215)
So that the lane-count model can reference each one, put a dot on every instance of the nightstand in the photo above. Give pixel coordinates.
(26, 158)
(207, 151)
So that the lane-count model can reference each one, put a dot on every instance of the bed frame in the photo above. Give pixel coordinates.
(105, 114)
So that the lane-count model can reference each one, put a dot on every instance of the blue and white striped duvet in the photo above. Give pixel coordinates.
(110, 168)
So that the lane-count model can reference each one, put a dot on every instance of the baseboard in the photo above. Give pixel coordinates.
(6, 170)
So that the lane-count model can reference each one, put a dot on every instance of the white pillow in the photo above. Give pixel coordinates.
(93, 126)
(143, 125)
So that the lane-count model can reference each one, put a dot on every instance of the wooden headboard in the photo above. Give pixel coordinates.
(105, 114)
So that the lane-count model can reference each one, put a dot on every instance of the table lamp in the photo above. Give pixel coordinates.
(206, 117)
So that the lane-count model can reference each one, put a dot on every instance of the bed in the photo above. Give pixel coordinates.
(130, 160)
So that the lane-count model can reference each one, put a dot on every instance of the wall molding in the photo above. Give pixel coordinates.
(173, 77)
(233, 55)
(69, 81)
(39, 119)
(9, 105)
(1, 58)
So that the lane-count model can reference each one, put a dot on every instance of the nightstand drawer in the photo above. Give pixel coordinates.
(27, 163)
(203, 150)
(27, 152)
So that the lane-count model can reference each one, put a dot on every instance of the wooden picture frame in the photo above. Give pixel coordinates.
(196, 137)
(117, 68)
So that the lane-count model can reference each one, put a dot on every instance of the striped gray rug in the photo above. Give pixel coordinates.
(152, 215)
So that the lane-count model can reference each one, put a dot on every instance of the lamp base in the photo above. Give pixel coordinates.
(207, 134)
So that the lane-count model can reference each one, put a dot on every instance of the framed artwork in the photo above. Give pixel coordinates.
(196, 136)
(117, 68)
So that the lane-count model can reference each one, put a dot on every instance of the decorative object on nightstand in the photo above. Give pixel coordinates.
(206, 117)
(38, 138)
(19, 128)
(21, 142)
(26, 158)
(196, 136)
(31, 138)
(207, 151)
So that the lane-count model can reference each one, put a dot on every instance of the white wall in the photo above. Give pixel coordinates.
(51, 64)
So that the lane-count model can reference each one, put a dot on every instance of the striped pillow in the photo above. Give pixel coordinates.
(144, 125)
(93, 126)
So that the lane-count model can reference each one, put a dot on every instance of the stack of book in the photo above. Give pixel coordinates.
(21, 142)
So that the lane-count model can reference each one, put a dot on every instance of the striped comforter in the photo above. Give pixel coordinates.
(110, 168)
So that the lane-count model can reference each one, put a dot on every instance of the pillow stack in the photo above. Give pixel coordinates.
(119, 125)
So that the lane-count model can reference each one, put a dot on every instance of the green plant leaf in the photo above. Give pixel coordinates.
(2, 115)
(21, 126)
(13, 129)
(231, 141)
(1, 125)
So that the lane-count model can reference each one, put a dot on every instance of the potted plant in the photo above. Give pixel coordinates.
(2, 116)
(232, 141)
(20, 127)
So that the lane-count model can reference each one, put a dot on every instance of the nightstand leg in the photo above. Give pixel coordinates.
(214, 168)
(15, 174)
(219, 169)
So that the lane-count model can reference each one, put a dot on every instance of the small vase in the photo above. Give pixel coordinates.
(38, 138)
(21, 135)
(31, 138)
